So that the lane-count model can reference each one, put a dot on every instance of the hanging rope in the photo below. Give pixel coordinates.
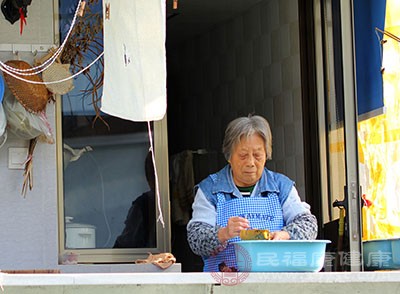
(160, 217)
(59, 81)
(394, 37)
(382, 41)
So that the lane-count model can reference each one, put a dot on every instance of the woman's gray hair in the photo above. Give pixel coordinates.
(245, 127)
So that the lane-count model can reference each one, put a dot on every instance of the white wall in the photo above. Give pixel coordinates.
(28, 234)
(39, 28)
(28, 226)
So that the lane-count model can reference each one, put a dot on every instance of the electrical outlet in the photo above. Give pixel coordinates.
(17, 157)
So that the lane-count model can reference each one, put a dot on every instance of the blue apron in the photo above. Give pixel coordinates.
(262, 213)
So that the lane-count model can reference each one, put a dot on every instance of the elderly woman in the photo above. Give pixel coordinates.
(243, 195)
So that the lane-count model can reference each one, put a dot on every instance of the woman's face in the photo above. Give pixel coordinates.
(248, 160)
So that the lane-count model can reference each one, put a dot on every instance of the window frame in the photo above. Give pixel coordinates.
(120, 255)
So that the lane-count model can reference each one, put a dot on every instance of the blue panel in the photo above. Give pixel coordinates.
(368, 14)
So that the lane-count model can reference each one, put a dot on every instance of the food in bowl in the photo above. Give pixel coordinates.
(253, 234)
(280, 255)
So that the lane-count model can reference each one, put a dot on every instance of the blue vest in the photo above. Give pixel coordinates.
(263, 209)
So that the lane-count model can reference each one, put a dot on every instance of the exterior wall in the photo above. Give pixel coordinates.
(28, 234)
(249, 64)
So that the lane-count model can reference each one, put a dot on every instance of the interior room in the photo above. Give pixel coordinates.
(227, 59)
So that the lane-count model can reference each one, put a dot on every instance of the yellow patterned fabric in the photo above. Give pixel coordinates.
(379, 143)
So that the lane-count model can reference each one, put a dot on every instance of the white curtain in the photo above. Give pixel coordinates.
(134, 59)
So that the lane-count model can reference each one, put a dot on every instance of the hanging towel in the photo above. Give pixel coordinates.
(134, 59)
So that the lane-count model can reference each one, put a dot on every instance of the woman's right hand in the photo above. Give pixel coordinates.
(233, 228)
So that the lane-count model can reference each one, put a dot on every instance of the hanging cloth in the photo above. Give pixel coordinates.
(14, 10)
(134, 59)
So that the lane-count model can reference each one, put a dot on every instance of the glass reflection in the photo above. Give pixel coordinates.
(140, 225)
(104, 174)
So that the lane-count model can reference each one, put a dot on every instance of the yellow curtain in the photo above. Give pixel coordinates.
(379, 143)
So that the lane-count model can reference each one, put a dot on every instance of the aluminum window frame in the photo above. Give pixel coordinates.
(114, 255)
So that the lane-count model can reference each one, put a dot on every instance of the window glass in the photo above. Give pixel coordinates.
(108, 177)
(106, 192)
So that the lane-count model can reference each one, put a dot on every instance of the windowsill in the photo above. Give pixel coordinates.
(118, 268)
(329, 279)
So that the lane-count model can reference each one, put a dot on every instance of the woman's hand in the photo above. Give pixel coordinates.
(233, 228)
(280, 235)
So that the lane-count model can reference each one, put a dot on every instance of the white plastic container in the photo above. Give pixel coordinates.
(80, 235)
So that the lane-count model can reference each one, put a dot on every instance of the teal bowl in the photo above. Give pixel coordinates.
(382, 254)
(280, 255)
